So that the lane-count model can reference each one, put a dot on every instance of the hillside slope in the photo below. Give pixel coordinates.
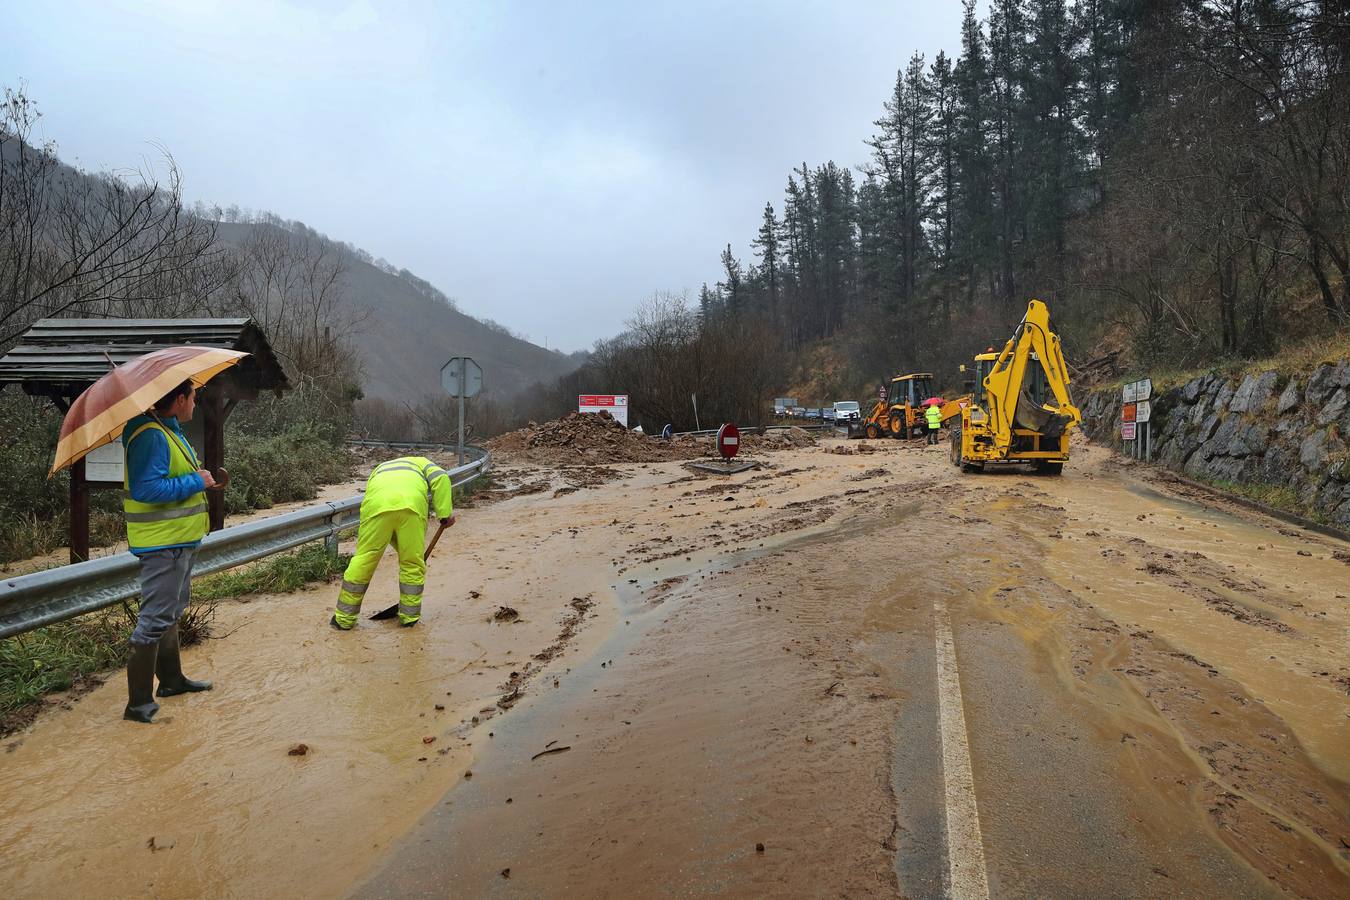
(410, 335)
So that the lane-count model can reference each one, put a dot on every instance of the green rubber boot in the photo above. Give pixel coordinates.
(172, 681)
(141, 705)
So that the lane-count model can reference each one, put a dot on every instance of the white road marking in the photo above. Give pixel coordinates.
(965, 847)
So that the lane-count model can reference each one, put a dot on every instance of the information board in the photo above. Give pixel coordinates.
(614, 404)
(106, 465)
(1127, 431)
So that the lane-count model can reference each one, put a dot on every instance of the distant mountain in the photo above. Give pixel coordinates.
(413, 327)
(414, 330)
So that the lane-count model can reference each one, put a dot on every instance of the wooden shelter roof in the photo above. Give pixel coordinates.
(62, 357)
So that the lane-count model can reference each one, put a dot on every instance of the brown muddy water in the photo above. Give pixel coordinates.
(1155, 693)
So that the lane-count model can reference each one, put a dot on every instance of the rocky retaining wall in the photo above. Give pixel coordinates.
(1268, 428)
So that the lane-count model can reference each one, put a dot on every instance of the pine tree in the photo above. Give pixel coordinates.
(1052, 139)
(766, 248)
(941, 141)
(733, 285)
(1007, 66)
(973, 218)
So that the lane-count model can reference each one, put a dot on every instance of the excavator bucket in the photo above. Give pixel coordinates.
(1032, 415)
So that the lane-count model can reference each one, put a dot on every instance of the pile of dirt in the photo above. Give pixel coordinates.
(588, 438)
(783, 439)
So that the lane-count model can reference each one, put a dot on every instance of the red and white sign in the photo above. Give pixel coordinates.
(614, 404)
(728, 440)
(1127, 431)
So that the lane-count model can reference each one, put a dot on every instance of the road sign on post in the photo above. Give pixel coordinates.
(462, 378)
(1135, 413)
(728, 441)
(462, 371)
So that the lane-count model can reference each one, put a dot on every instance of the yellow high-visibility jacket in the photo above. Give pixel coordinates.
(934, 417)
(411, 483)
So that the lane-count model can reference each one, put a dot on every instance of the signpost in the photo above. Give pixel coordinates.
(461, 377)
(1135, 412)
(614, 404)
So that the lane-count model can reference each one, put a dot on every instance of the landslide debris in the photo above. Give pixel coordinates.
(587, 437)
(592, 438)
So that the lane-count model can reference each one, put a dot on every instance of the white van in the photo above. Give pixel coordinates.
(847, 412)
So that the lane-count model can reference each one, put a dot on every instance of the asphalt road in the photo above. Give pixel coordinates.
(851, 672)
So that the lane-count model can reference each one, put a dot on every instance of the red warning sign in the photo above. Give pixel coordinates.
(728, 440)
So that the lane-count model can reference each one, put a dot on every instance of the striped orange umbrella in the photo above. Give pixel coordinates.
(98, 416)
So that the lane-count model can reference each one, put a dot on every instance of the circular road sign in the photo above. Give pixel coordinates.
(728, 440)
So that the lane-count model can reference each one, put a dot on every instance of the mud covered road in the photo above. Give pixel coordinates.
(848, 673)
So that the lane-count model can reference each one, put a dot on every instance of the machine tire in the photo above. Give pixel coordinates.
(873, 431)
(898, 429)
(956, 446)
(1043, 467)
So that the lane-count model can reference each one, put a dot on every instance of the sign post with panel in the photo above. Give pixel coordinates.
(1136, 413)
(463, 378)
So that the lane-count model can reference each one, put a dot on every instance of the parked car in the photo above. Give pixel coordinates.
(827, 413)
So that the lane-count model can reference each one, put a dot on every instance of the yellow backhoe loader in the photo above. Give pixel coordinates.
(900, 415)
(1021, 410)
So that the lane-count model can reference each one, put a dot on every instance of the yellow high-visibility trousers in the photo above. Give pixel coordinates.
(406, 529)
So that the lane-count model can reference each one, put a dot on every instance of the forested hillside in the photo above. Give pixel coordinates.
(1172, 178)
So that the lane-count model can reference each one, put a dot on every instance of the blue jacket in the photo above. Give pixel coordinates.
(148, 468)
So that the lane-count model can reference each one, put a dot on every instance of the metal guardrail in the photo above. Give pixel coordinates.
(753, 429)
(404, 445)
(42, 598)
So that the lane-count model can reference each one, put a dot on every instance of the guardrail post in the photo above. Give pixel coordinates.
(330, 544)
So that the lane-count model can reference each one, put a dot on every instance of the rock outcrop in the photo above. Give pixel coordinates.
(1268, 428)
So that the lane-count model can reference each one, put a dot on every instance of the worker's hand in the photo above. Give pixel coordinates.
(447, 522)
(208, 480)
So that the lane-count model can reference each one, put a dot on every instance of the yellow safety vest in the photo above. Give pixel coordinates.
(934, 416)
(405, 483)
(165, 524)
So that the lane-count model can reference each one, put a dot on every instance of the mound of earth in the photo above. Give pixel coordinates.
(588, 438)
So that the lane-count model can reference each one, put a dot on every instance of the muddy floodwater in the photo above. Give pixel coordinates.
(729, 686)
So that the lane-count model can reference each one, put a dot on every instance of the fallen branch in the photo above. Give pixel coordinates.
(549, 751)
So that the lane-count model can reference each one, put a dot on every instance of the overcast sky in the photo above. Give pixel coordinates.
(548, 164)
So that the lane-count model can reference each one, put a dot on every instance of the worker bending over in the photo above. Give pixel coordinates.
(394, 511)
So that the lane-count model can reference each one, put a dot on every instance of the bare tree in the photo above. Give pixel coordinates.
(75, 242)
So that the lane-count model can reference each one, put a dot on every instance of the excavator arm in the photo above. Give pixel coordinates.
(1009, 405)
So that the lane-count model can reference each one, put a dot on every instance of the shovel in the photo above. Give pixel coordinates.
(390, 612)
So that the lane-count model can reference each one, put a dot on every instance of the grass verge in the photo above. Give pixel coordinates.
(73, 655)
(1279, 497)
(464, 495)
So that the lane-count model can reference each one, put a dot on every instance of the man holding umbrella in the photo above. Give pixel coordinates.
(143, 402)
(165, 508)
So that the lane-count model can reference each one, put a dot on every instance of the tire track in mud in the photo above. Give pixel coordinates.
(1224, 752)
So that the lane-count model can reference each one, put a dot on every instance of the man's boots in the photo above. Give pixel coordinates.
(170, 668)
(141, 705)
